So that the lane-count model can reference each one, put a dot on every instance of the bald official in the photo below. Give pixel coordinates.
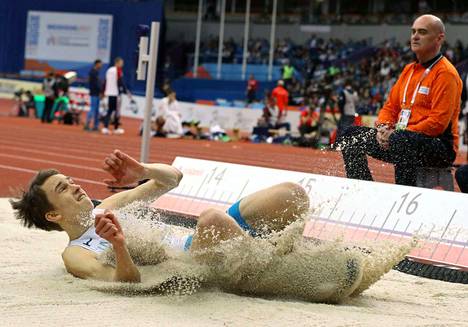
(418, 125)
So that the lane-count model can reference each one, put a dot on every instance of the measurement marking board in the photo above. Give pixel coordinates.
(355, 210)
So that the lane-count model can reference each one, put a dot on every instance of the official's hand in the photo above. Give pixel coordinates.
(124, 169)
(108, 227)
(383, 135)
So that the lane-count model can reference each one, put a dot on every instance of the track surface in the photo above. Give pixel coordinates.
(26, 146)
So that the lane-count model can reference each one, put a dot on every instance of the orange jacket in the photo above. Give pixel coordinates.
(437, 104)
(282, 97)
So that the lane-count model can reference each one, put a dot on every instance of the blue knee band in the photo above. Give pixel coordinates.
(234, 212)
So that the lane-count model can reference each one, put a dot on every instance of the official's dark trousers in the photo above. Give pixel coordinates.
(407, 151)
(461, 175)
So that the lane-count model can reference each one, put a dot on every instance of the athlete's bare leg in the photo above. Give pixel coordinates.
(213, 227)
(275, 207)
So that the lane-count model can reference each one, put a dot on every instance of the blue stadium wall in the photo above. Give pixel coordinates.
(126, 17)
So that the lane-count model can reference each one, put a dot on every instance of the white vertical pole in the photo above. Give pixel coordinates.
(221, 38)
(197, 39)
(246, 38)
(272, 40)
(150, 82)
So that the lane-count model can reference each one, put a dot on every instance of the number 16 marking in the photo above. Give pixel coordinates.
(412, 205)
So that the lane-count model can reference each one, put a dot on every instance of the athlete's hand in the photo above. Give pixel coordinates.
(108, 227)
(383, 135)
(124, 169)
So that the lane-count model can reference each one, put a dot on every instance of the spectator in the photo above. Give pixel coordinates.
(62, 84)
(309, 120)
(281, 96)
(166, 87)
(270, 114)
(287, 73)
(61, 109)
(267, 121)
(252, 86)
(94, 95)
(418, 125)
(114, 87)
(347, 102)
(25, 101)
(168, 119)
(48, 87)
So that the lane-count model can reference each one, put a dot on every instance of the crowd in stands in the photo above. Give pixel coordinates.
(321, 65)
(258, 50)
(314, 75)
(318, 85)
(383, 18)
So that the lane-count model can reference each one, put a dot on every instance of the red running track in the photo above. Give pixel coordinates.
(26, 146)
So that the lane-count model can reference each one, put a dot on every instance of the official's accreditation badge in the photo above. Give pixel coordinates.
(403, 120)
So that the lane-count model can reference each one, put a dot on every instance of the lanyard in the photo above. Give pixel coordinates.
(426, 72)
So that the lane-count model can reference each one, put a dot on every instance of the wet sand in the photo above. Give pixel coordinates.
(36, 290)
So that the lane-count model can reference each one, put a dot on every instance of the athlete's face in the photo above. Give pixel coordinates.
(426, 37)
(67, 197)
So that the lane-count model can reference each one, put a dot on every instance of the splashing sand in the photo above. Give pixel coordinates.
(283, 264)
(31, 264)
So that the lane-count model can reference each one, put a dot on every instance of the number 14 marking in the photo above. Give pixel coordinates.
(216, 176)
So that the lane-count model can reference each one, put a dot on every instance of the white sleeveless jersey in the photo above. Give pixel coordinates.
(176, 238)
(90, 240)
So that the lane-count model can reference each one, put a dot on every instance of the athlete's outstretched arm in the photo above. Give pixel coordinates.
(125, 170)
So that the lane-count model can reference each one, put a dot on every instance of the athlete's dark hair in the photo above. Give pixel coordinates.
(33, 205)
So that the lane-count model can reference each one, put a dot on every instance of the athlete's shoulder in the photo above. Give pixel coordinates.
(75, 257)
(75, 252)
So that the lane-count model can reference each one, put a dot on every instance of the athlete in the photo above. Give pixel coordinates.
(55, 202)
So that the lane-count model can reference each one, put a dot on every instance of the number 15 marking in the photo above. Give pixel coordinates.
(307, 183)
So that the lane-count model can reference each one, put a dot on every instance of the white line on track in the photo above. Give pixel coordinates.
(35, 171)
(49, 146)
(49, 162)
(54, 154)
(65, 138)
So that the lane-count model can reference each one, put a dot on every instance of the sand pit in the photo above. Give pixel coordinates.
(36, 290)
